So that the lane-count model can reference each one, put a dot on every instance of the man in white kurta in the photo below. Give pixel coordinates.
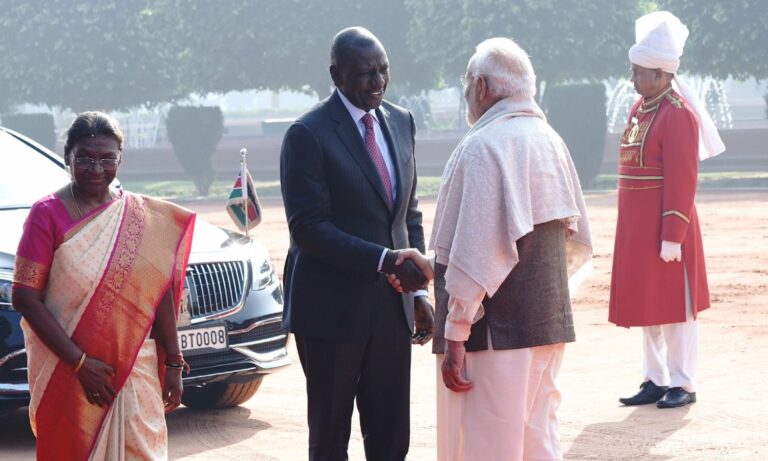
(510, 230)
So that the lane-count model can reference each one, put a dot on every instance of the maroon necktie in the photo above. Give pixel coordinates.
(378, 158)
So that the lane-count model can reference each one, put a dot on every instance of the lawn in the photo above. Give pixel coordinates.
(428, 185)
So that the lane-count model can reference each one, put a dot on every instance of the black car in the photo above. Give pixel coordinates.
(230, 322)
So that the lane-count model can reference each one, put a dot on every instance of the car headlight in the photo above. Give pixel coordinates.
(262, 270)
(6, 279)
(264, 274)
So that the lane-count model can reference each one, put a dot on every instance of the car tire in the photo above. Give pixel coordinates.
(220, 395)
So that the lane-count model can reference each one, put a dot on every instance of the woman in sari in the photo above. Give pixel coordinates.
(98, 279)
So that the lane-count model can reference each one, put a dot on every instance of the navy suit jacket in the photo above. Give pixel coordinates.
(339, 220)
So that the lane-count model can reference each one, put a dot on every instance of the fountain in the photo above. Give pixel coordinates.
(141, 126)
(712, 92)
(622, 97)
(419, 106)
(708, 89)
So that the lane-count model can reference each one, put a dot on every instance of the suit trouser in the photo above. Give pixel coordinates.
(509, 414)
(376, 374)
(670, 351)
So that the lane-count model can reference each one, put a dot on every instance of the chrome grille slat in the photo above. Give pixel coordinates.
(227, 275)
(199, 296)
(226, 279)
(232, 280)
(203, 290)
(225, 292)
(241, 272)
(208, 289)
(215, 288)
(199, 291)
(192, 285)
(218, 294)
(241, 276)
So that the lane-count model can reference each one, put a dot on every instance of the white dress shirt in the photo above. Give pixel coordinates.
(357, 115)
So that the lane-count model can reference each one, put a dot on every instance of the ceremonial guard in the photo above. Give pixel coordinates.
(659, 280)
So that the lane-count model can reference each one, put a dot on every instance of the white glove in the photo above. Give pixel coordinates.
(670, 251)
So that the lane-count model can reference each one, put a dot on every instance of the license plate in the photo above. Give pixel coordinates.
(206, 339)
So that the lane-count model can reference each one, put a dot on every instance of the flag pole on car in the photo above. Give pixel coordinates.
(244, 185)
(243, 204)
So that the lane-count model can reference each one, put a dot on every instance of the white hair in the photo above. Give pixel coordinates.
(506, 67)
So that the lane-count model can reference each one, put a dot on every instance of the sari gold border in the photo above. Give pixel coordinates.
(29, 273)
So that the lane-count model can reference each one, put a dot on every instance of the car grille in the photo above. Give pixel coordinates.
(263, 332)
(231, 357)
(215, 288)
(272, 333)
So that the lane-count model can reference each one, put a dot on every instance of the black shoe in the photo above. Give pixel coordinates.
(649, 393)
(676, 397)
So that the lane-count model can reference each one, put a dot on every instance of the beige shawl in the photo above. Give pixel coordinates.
(509, 172)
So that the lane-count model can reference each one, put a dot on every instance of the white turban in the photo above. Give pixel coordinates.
(660, 38)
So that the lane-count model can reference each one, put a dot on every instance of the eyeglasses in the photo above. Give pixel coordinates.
(87, 163)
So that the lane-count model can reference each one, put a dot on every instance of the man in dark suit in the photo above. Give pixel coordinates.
(348, 180)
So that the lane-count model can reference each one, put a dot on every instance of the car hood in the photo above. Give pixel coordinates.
(11, 226)
(209, 243)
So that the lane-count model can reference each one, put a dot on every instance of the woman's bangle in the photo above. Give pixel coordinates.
(179, 364)
(79, 363)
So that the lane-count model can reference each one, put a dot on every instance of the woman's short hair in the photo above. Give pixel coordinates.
(506, 66)
(92, 123)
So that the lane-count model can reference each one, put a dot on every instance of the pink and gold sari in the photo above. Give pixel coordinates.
(103, 284)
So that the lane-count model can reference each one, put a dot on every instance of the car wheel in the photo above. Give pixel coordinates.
(220, 395)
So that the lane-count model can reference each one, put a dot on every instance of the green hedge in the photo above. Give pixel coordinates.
(578, 113)
(38, 127)
(194, 132)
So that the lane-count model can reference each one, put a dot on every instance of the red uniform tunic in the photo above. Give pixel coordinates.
(658, 170)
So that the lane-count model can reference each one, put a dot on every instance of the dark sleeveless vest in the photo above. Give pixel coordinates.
(532, 307)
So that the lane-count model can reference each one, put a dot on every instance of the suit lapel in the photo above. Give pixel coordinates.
(390, 131)
(350, 137)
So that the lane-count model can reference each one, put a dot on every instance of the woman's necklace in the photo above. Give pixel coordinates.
(72, 191)
(77, 205)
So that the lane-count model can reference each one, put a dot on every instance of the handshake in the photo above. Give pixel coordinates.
(407, 270)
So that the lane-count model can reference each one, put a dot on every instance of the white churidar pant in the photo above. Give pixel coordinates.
(670, 351)
(509, 414)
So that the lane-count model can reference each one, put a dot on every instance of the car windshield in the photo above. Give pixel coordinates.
(26, 175)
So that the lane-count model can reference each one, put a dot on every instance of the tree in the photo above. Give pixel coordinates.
(281, 44)
(569, 41)
(566, 39)
(85, 55)
(727, 37)
(114, 54)
(194, 132)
